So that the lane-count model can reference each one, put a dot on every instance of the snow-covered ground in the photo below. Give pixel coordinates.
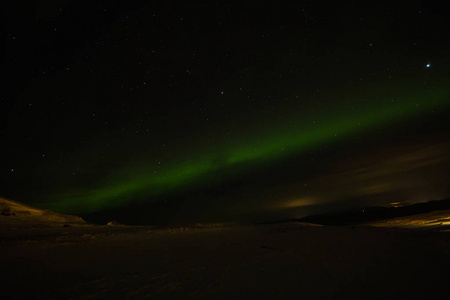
(278, 261)
(45, 255)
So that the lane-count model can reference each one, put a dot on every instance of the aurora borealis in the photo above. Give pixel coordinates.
(214, 112)
(266, 151)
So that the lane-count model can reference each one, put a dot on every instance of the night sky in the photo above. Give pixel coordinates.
(164, 112)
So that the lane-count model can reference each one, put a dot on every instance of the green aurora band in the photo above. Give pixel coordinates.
(264, 147)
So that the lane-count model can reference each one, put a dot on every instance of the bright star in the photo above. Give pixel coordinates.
(428, 65)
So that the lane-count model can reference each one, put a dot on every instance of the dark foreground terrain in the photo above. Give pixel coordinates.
(272, 261)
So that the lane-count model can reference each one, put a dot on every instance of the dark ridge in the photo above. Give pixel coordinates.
(374, 213)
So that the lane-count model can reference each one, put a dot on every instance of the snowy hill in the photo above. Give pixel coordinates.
(15, 214)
